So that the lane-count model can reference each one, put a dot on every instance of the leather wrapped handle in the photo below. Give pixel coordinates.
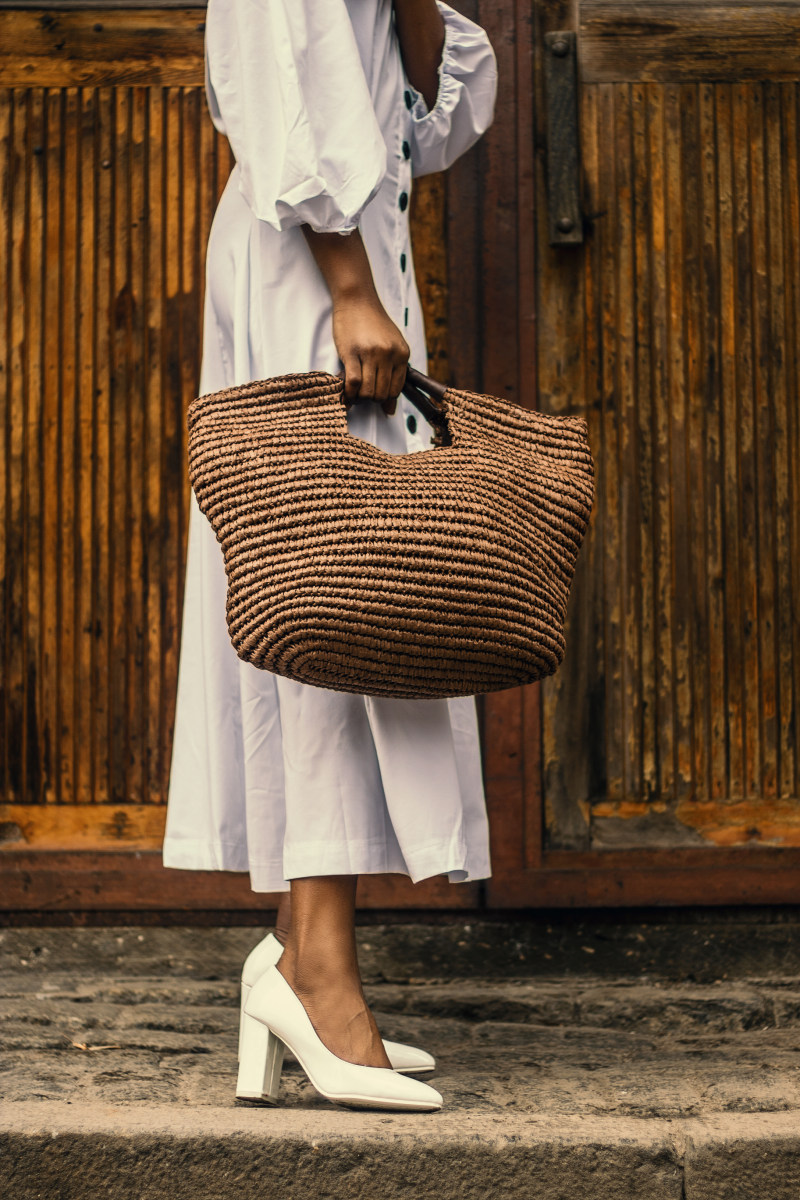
(414, 389)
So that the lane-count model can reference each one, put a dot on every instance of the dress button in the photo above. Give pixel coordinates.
(405, 319)
(402, 262)
(408, 98)
(411, 422)
(403, 201)
(406, 150)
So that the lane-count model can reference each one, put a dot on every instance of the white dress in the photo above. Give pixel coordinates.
(271, 776)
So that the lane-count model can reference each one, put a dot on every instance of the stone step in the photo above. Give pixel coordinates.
(117, 1074)
(186, 1052)
(121, 1153)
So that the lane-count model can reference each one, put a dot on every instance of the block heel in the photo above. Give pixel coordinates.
(244, 992)
(260, 1062)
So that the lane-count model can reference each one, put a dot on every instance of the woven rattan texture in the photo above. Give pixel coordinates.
(439, 573)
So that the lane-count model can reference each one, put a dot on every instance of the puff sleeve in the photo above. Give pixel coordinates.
(464, 105)
(286, 86)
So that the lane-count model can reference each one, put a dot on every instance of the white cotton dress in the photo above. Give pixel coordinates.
(268, 775)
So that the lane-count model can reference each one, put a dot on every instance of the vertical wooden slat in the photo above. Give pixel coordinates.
(646, 452)
(152, 434)
(172, 384)
(108, 539)
(608, 448)
(765, 177)
(682, 517)
(787, 450)
(707, 404)
(626, 392)
(697, 738)
(32, 384)
(743, 100)
(728, 150)
(662, 527)
(51, 468)
(140, 782)
(6, 191)
(68, 351)
(122, 448)
(85, 677)
(17, 729)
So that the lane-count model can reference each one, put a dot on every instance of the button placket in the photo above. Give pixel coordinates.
(404, 186)
(413, 438)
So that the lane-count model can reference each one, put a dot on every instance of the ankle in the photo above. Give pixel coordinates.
(311, 971)
(283, 918)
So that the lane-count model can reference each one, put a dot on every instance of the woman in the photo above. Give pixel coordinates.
(329, 109)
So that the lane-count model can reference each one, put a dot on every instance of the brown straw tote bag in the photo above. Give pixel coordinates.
(444, 572)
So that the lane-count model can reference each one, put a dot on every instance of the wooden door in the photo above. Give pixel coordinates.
(661, 764)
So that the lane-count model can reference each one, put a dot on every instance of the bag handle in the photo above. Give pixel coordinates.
(414, 389)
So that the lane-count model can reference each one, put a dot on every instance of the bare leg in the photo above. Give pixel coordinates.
(283, 920)
(320, 964)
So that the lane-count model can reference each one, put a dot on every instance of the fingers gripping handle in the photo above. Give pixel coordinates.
(414, 389)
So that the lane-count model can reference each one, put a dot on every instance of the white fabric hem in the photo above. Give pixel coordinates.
(186, 854)
(190, 854)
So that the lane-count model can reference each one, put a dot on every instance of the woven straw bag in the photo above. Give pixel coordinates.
(444, 572)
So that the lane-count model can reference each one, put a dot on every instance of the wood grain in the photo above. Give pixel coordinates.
(109, 880)
(682, 40)
(71, 47)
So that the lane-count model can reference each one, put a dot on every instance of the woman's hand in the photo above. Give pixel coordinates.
(373, 351)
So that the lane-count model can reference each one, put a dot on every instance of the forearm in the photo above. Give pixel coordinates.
(343, 263)
(420, 32)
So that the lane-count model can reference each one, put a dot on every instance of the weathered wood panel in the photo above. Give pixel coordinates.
(111, 195)
(107, 192)
(683, 40)
(71, 47)
(690, 344)
(669, 768)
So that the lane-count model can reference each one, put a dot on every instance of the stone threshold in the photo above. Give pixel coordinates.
(116, 1152)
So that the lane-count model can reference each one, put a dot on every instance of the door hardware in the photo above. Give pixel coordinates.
(564, 217)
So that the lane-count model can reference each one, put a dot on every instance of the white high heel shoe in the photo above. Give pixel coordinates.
(274, 1019)
(406, 1060)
